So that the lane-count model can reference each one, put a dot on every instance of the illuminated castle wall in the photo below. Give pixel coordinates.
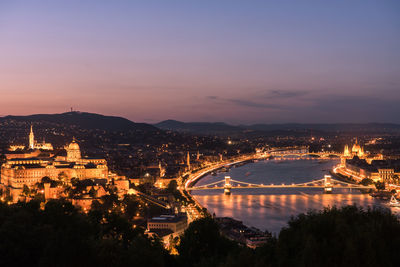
(30, 167)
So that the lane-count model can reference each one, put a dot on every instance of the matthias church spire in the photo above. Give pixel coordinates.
(31, 139)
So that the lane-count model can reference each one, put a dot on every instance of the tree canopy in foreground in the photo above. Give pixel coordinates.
(60, 235)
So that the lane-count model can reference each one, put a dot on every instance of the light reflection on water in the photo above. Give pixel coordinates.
(270, 209)
(271, 212)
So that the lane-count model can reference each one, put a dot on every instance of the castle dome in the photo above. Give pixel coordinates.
(73, 151)
(73, 146)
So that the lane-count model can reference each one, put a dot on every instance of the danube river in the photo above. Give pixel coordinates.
(270, 209)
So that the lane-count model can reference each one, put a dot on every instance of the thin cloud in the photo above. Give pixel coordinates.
(253, 104)
(244, 102)
(282, 94)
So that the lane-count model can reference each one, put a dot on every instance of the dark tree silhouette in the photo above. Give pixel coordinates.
(348, 236)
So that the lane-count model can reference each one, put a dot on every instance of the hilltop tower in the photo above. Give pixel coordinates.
(31, 139)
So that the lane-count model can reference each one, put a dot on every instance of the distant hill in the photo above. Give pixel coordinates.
(204, 128)
(219, 128)
(334, 127)
(86, 120)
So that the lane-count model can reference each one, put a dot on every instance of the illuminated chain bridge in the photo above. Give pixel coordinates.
(326, 183)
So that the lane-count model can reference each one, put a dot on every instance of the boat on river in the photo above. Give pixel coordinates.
(394, 202)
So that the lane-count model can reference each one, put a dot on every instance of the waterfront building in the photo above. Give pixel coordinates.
(172, 224)
(346, 152)
(356, 150)
(167, 227)
(360, 165)
(386, 171)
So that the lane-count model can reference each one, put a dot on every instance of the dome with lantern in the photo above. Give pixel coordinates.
(73, 145)
(73, 151)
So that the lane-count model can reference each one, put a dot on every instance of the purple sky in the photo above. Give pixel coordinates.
(218, 60)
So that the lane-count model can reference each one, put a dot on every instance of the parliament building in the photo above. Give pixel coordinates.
(28, 167)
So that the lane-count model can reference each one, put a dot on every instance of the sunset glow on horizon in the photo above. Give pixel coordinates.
(231, 61)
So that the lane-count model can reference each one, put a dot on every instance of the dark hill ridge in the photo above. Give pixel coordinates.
(226, 129)
(329, 127)
(86, 120)
(199, 127)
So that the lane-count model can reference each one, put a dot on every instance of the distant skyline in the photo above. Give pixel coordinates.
(240, 62)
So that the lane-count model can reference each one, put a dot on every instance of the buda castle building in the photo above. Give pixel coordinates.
(41, 160)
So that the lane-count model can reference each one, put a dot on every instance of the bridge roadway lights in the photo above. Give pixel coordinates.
(327, 184)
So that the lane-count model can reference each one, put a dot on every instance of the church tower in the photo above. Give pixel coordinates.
(346, 152)
(188, 160)
(31, 139)
(361, 152)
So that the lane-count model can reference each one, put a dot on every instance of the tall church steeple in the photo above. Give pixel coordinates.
(188, 160)
(31, 139)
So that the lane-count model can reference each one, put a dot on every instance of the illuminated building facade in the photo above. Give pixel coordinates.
(378, 170)
(176, 223)
(32, 144)
(35, 145)
(30, 167)
(360, 165)
(356, 150)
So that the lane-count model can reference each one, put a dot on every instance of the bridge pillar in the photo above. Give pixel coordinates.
(227, 185)
(327, 184)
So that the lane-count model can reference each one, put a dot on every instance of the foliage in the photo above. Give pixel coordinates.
(129, 207)
(62, 177)
(172, 186)
(380, 185)
(203, 245)
(396, 179)
(348, 236)
(172, 189)
(145, 188)
(25, 190)
(185, 177)
(367, 181)
(60, 235)
(80, 186)
(40, 185)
